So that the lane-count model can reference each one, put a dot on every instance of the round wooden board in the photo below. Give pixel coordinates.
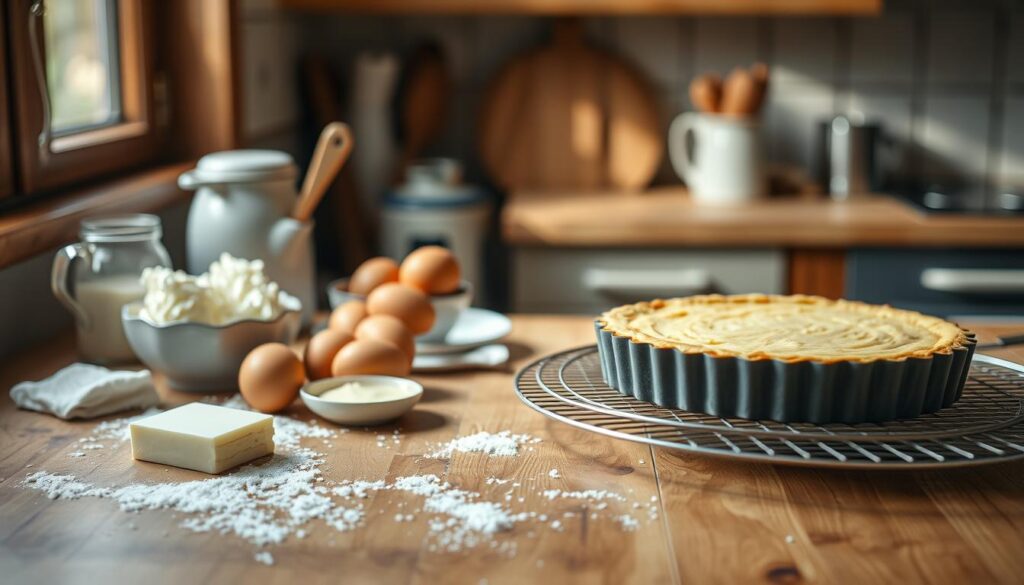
(569, 116)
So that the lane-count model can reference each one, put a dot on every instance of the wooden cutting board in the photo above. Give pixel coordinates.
(570, 116)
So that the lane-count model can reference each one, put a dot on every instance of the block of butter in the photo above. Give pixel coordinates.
(203, 437)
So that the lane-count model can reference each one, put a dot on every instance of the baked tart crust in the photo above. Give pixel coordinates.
(785, 358)
(790, 328)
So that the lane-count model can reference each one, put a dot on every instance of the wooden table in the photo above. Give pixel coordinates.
(718, 521)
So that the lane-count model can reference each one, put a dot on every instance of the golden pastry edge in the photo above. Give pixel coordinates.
(608, 318)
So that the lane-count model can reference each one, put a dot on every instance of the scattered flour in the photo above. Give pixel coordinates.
(117, 429)
(464, 521)
(595, 495)
(628, 522)
(262, 504)
(501, 444)
(266, 504)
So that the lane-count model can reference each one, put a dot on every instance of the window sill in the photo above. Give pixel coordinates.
(45, 225)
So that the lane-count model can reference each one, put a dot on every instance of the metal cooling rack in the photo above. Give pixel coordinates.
(985, 426)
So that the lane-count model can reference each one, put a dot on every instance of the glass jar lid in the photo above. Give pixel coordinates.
(120, 228)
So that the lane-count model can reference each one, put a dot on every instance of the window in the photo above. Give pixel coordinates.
(6, 150)
(82, 69)
(82, 89)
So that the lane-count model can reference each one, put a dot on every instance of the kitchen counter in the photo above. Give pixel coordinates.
(716, 520)
(667, 217)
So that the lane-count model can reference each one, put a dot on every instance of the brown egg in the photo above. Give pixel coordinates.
(389, 329)
(347, 316)
(431, 269)
(320, 352)
(371, 274)
(270, 377)
(408, 304)
(370, 356)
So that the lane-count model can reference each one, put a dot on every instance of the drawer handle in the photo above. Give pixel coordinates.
(973, 280)
(610, 281)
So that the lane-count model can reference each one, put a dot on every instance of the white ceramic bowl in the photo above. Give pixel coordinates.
(360, 413)
(337, 293)
(197, 357)
(447, 307)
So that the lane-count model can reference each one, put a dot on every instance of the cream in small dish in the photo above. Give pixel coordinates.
(361, 400)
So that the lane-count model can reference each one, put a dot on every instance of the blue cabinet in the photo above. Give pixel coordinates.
(939, 281)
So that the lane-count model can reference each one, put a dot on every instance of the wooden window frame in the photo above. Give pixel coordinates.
(6, 149)
(94, 152)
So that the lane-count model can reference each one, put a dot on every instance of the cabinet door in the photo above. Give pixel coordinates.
(559, 280)
(944, 282)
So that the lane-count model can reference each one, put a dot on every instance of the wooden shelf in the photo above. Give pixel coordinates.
(592, 7)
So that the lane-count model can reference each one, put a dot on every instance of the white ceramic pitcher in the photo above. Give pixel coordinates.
(243, 205)
(724, 164)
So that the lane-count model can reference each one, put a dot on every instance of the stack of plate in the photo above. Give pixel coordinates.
(471, 343)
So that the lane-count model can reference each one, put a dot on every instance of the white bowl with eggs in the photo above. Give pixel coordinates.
(361, 400)
(447, 307)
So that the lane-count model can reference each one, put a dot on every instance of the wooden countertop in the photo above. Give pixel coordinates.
(668, 217)
(717, 520)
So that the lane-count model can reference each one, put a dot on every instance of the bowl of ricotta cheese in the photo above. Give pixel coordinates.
(361, 399)
(197, 330)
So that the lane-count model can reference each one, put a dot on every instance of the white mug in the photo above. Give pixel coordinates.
(724, 164)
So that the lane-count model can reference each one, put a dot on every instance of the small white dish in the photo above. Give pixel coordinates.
(360, 413)
(447, 309)
(483, 357)
(337, 293)
(473, 328)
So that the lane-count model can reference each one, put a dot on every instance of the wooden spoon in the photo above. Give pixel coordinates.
(739, 94)
(706, 93)
(759, 71)
(332, 150)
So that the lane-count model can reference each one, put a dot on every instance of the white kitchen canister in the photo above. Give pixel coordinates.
(242, 206)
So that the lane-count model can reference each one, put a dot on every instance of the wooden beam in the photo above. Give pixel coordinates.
(199, 61)
(817, 272)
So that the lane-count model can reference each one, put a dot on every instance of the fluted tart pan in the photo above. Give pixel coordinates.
(846, 391)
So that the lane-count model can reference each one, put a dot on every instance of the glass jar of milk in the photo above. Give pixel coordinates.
(97, 276)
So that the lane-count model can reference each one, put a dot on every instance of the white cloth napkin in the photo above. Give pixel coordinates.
(87, 391)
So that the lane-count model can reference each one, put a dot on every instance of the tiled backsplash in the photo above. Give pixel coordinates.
(945, 77)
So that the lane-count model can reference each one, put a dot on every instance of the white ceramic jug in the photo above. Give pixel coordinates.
(723, 163)
(242, 206)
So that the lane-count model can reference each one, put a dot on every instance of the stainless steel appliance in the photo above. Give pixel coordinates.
(849, 163)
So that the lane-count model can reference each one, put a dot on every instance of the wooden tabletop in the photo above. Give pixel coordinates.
(668, 217)
(717, 520)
